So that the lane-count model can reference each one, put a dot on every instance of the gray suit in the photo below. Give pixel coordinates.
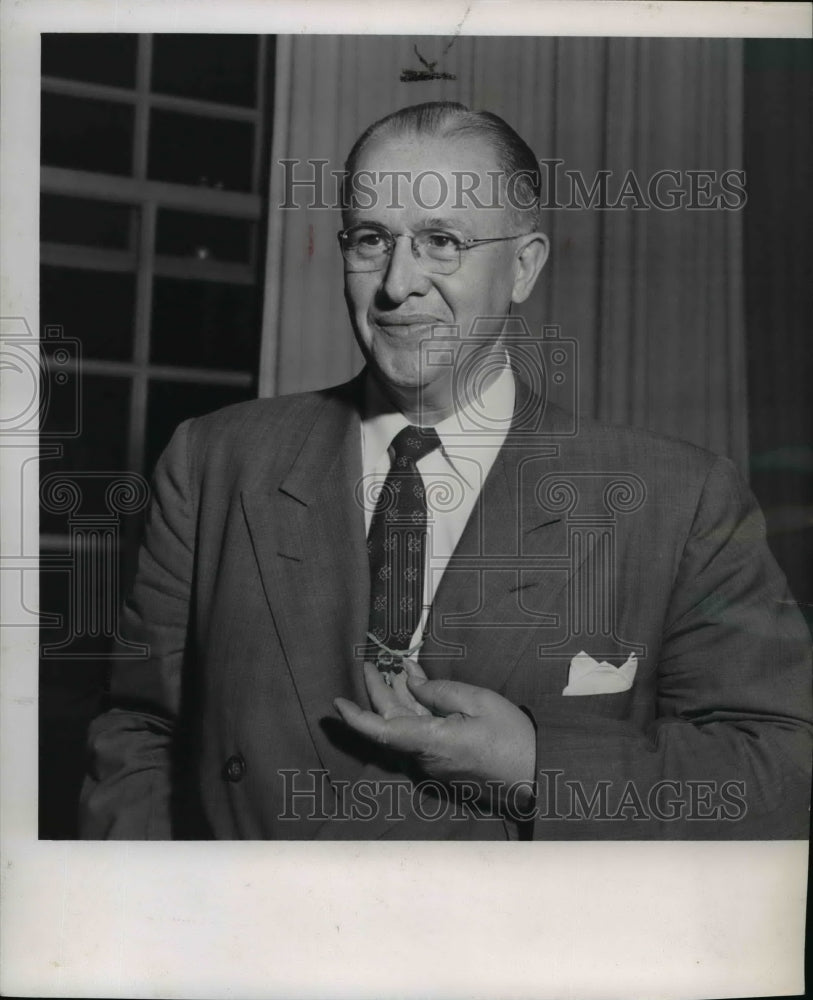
(252, 592)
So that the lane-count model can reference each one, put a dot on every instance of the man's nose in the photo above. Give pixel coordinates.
(404, 275)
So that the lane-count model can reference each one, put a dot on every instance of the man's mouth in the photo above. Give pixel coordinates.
(418, 319)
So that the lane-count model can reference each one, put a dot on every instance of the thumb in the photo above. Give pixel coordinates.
(446, 697)
(414, 671)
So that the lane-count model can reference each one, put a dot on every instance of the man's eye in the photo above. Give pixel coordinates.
(441, 241)
(368, 238)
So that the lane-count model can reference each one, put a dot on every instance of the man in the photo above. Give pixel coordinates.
(419, 605)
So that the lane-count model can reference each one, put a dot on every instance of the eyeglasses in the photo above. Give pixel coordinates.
(369, 248)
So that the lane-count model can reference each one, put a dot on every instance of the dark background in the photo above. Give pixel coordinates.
(153, 222)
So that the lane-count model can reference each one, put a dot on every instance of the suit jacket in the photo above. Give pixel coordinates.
(252, 594)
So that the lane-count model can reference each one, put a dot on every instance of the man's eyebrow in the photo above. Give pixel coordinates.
(442, 222)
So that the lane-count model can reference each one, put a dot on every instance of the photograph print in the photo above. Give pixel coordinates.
(424, 443)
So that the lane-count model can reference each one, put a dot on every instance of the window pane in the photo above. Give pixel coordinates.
(207, 237)
(87, 134)
(219, 68)
(169, 403)
(85, 221)
(99, 58)
(193, 149)
(204, 324)
(101, 445)
(95, 307)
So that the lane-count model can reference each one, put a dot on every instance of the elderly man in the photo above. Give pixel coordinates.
(421, 605)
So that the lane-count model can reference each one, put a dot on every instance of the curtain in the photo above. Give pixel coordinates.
(652, 298)
(779, 251)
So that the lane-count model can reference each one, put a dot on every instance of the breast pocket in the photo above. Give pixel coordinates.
(617, 705)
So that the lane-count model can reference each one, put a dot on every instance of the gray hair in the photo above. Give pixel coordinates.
(445, 119)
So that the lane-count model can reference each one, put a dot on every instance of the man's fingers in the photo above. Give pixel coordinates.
(393, 699)
(448, 697)
(414, 670)
(409, 734)
(405, 696)
(367, 723)
(382, 697)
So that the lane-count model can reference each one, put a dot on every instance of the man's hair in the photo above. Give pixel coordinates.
(447, 119)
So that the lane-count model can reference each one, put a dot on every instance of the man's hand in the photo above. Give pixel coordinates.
(390, 693)
(453, 731)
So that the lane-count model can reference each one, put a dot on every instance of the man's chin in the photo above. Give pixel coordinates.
(408, 365)
(398, 376)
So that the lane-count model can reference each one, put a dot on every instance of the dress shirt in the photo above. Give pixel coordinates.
(453, 474)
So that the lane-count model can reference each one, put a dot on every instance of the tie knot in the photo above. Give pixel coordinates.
(412, 443)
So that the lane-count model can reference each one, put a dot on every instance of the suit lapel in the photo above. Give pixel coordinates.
(509, 568)
(309, 540)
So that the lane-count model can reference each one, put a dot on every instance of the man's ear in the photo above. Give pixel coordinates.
(528, 264)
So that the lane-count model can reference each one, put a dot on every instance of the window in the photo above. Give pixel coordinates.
(153, 200)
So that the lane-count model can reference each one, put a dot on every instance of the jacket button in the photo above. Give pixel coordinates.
(235, 767)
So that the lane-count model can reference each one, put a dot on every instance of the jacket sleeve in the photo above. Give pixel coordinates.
(128, 789)
(728, 754)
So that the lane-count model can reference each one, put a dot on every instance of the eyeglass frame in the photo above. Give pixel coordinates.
(465, 244)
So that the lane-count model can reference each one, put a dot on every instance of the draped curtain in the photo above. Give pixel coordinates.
(653, 298)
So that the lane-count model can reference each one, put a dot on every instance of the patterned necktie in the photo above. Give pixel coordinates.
(396, 545)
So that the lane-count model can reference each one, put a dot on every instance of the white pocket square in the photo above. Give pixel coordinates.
(588, 676)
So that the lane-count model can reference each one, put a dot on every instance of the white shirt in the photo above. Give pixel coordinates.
(453, 475)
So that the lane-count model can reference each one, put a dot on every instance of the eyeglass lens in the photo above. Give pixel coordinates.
(370, 249)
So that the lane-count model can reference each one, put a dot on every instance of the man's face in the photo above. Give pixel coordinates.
(393, 310)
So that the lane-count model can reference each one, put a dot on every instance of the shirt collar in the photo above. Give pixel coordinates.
(460, 433)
